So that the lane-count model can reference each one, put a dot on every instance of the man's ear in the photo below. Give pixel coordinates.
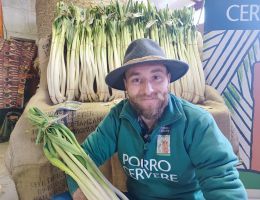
(125, 84)
(169, 80)
(169, 77)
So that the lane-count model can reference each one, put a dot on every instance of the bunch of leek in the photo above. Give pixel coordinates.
(63, 151)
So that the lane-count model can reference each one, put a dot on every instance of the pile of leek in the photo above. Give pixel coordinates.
(88, 43)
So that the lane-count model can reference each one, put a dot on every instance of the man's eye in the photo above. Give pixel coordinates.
(135, 80)
(156, 77)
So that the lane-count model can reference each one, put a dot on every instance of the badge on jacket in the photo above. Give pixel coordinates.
(163, 142)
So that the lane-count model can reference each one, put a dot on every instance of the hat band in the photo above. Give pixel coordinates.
(142, 59)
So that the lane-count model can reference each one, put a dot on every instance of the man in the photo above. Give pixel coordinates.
(168, 147)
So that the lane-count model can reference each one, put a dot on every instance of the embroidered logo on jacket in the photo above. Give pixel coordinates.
(148, 168)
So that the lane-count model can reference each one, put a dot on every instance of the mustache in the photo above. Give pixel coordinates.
(157, 95)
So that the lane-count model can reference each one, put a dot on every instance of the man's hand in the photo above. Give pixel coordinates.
(78, 195)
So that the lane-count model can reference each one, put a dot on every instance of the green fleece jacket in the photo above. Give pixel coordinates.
(186, 156)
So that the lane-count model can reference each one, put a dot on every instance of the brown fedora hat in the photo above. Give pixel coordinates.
(145, 51)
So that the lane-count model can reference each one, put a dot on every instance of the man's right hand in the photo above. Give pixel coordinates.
(78, 195)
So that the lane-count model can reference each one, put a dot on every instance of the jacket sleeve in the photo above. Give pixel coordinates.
(100, 144)
(214, 161)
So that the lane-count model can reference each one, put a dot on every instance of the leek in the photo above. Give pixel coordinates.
(62, 149)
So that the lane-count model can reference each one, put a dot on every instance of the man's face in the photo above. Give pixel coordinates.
(147, 88)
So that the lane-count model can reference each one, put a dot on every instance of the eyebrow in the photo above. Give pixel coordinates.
(137, 73)
(157, 70)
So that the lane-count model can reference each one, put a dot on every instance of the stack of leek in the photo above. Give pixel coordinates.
(88, 43)
(63, 151)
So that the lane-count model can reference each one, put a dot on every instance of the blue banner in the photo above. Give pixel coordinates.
(232, 15)
(231, 63)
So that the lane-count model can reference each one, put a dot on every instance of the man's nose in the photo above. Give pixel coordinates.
(147, 87)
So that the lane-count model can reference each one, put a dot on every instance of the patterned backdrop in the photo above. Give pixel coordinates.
(16, 59)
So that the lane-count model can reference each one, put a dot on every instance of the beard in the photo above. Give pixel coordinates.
(150, 111)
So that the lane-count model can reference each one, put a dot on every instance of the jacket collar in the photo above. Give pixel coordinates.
(172, 112)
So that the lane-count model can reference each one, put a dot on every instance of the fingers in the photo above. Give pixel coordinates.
(78, 195)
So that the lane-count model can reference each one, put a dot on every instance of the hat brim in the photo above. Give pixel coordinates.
(115, 79)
